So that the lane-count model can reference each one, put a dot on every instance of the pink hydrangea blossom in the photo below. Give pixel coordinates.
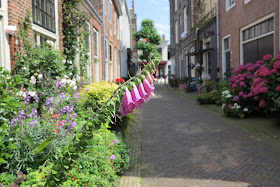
(276, 65)
(262, 103)
(274, 71)
(241, 94)
(277, 88)
(257, 80)
(242, 83)
(259, 62)
(256, 98)
(250, 94)
(235, 98)
(234, 85)
(230, 106)
(267, 57)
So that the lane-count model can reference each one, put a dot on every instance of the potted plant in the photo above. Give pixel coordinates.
(182, 83)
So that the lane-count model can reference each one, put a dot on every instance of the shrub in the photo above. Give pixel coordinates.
(254, 87)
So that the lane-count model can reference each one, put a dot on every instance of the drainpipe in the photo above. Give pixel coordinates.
(218, 37)
(104, 46)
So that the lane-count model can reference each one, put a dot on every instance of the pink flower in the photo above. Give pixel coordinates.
(113, 157)
(230, 106)
(274, 71)
(127, 105)
(245, 96)
(251, 68)
(143, 93)
(249, 65)
(277, 88)
(259, 62)
(276, 65)
(234, 85)
(150, 79)
(250, 94)
(257, 80)
(137, 99)
(148, 87)
(242, 83)
(241, 94)
(267, 57)
(235, 98)
(262, 103)
(263, 90)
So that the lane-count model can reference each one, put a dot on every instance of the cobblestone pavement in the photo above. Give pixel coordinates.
(186, 145)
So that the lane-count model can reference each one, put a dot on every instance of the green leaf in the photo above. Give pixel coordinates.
(12, 146)
(43, 145)
(2, 161)
(30, 142)
(7, 99)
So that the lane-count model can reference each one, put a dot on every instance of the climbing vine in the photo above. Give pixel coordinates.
(74, 35)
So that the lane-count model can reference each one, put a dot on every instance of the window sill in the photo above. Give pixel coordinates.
(228, 8)
(44, 31)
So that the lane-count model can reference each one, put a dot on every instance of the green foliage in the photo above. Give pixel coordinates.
(94, 167)
(74, 32)
(6, 179)
(151, 38)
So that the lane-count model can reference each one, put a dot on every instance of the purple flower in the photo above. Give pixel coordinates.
(115, 141)
(235, 98)
(136, 98)
(113, 157)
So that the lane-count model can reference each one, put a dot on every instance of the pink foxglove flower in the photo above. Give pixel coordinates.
(127, 105)
(150, 79)
(153, 78)
(143, 93)
(148, 87)
(137, 99)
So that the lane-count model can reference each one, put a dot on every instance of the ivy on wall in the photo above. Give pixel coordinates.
(74, 34)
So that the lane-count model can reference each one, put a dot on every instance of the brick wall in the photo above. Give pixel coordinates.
(240, 15)
(17, 10)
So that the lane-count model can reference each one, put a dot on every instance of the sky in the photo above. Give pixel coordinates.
(156, 10)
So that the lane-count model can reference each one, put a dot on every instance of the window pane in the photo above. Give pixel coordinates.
(43, 13)
(270, 25)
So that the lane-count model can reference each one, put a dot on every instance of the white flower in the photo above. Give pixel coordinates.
(223, 106)
(65, 76)
(225, 92)
(50, 42)
(11, 29)
(229, 96)
(24, 68)
(57, 77)
(75, 88)
(21, 93)
(32, 94)
(63, 81)
(64, 61)
(33, 80)
(235, 104)
(69, 62)
(238, 107)
(245, 110)
(40, 76)
(70, 74)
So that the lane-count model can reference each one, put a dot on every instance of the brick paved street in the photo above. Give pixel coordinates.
(185, 145)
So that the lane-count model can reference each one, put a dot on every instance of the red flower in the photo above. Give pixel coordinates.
(75, 178)
(121, 80)
(43, 177)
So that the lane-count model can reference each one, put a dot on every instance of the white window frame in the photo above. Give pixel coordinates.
(48, 34)
(224, 51)
(229, 4)
(205, 54)
(96, 64)
(115, 22)
(106, 60)
(89, 68)
(116, 64)
(4, 38)
(176, 5)
(110, 11)
(111, 53)
(246, 1)
(185, 20)
(272, 15)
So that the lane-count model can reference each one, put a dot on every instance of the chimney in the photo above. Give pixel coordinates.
(163, 37)
(133, 5)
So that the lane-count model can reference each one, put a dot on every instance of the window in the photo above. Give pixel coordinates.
(226, 54)
(43, 13)
(95, 43)
(169, 69)
(110, 11)
(87, 39)
(0, 3)
(246, 1)
(176, 32)
(175, 5)
(111, 53)
(257, 41)
(185, 20)
(229, 4)
(106, 50)
(106, 60)
(40, 39)
(159, 51)
(116, 63)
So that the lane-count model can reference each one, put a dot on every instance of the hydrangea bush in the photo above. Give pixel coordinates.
(254, 88)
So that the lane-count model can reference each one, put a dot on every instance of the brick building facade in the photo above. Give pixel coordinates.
(103, 42)
(249, 29)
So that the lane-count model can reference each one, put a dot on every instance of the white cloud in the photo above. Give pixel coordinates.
(163, 29)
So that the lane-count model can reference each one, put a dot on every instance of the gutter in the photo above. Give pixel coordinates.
(92, 10)
(218, 37)
(104, 46)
